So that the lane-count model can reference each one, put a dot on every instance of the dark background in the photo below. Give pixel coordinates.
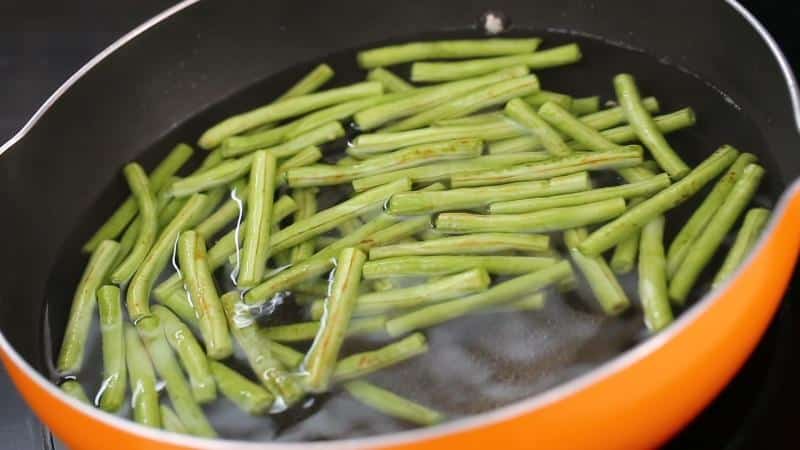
(43, 42)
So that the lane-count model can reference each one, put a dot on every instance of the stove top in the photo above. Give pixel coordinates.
(43, 42)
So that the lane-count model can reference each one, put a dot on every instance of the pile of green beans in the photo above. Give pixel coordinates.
(479, 194)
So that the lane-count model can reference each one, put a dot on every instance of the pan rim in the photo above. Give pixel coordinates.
(501, 414)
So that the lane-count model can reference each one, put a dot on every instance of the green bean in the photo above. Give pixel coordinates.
(226, 213)
(641, 188)
(172, 208)
(481, 98)
(306, 200)
(309, 83)
(212, 159)
(515, 145)
(612, 117)
(653, 276)
(361, 364)
(261, 352)
(411, 266)
(304, 158)
(532, 302)
(409, 203)
(624, 257)
(75, 390)
(285, 109)
(614, 232)
(199, 282)
(288, 356)
(245, 394)
(585, 105)
(444, 71)
(574, 128)
(707, 243)
(415, 155)
(601, 279)
(73, 346)
(547, 136)
(144, 396)
(257, 228)
(443, 171)
(391, 404)
(326, 132)
(148, 224)
(138, 294)
(630, 156)
(226, 172)
(696, 224)
(190, 353)
(538, 99)
(349, 226)
(127, 211)
(305, 331)
(320, 361)
(180, 395)
(666, 123)
(475, 119)
(646, 129)
(464, 48)
(469, 282)
(378, 115)
(754, 222)
(112, 391)
(171, 421)
(132, 232)
(246, 143)
(213, 200)
(499, 294)
(480, 243)
(390, 81)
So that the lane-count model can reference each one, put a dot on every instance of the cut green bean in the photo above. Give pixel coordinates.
(248, 396)
(112, 390)
(612, 117)
(413, 266)
(226, 213)
(75, 390)
(246, 143)
(499, 294)
(574, 128)
(754, 222)
(285, 109)
(601, 279)
(257, 228)
(305, 157)
(213, 200)
(350, 226)
(632, 220)
(172, 208)
(623, 259)
(469, 282)
(226, 172)
(666, 123)
(148, 223)
(538, 99)
(585, 105)
(696, 225)
(630, 156)
(444, 71)
(391, 404)
(199, 283)
(454, 49)
(309, 83)
(484, 97)
(320, 362)
(378, 115)
(479, 243)
(409, 203)
(390, 81)
(365, 363)
(322, 134)
(653, 276)
(144, 396)
(305, 331)
(131, 233)
(475, 119)
(641, 188)
(515, 145)
(416, 155)
(178, 390)
(547, 136)
(262, 353)
(73, 345)
(141, 285)
(306, 200)
(707, 243)
(171, 421)
(191, 354)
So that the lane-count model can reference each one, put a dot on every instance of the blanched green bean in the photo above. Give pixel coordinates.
(75, 390)
(538, 99)
(653, 276)
(463, 48)
(475, 119)
(499, 294)
(320, 361)
(225, 214)
(707, 243)
(173, 207)
(412, 266)
(322, 134)
(171, 421)
(585, 105)
(305, 331)
(128, 238)
(390, 81)
(306, 200)
(516, 145)
(632, 220)
(191, 354)
(392, 404)
(309, 83)
(226, 172)
(574, 128)
(409, 203)
(754, 222)
(257, 228)
(285, 109)
(601, 279)
(148, 223)
(245, 394)
(73, 345)
(112, 390)
(360, 364)
(443, 71)
(349, 226)
(541, 130)
(258, 139)
(144, 396)
(666, 123)
(479, 243)
(611, 117)
(127, 211)
(624, 257)
(304, 158)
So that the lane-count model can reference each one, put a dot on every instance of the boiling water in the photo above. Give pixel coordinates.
(479, 362)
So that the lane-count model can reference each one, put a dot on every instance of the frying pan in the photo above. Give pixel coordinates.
(196, 62)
